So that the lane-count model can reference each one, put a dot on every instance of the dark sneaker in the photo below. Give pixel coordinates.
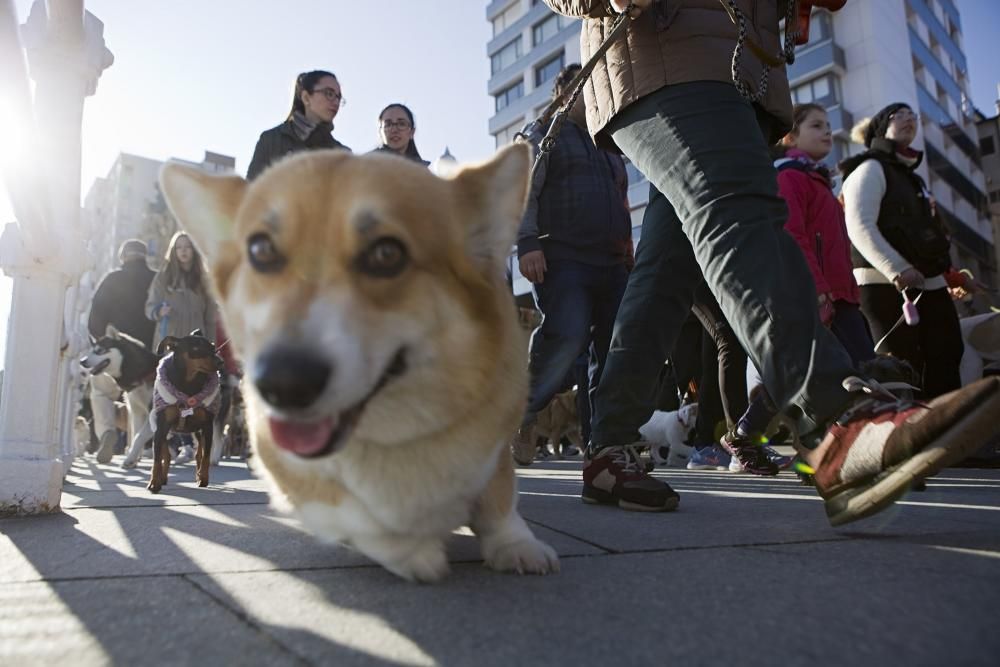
(750, 454)
(618, 476)
(523, 446)
(783, 462)
(877, 449)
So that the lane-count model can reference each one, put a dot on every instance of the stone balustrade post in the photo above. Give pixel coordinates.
(44, 251)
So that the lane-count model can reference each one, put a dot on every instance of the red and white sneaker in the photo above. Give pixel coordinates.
(877, 449)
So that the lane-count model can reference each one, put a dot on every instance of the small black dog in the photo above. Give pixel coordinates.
(186, 397)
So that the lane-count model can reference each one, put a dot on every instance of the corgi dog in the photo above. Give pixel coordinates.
(385, 369)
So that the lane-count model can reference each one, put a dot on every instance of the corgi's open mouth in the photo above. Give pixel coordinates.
(323, 437)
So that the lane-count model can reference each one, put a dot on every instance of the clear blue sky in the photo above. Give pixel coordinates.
(191, 75)
(980, 32)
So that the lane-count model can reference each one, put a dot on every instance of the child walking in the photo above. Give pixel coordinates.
(816, 222)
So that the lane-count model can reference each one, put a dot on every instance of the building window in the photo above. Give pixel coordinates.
(822, 90)
(820, 27)
(548, 28)
(506, 56)
(506, 135)
(508, 95)
(545, 29)
(506, 18)
(634, 175)
(986, 146)
(549, 69)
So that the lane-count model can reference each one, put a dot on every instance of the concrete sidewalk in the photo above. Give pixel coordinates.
(747, 572)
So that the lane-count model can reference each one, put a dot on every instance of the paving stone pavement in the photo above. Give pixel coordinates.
(747, 572)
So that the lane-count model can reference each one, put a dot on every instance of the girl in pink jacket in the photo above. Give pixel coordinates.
(816, 222)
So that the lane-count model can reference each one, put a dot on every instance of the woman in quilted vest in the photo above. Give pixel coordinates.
(901, 250)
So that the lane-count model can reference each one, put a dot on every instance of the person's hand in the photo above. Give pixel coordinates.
(958, 293)
(164, 310)
(532, 265)
(826, 309)
(910, 278)
(638, 6)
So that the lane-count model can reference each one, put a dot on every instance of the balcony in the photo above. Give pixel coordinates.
(819, 58)
(841, 120)
(523, 107)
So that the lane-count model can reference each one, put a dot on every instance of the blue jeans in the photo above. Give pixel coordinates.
(701, 145)
(578, 303)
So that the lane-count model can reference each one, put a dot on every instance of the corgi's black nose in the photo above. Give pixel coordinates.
(289, 378)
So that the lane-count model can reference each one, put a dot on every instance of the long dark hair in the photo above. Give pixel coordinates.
(305, 82)
(799, 114)
(411, 148)
(176, 276)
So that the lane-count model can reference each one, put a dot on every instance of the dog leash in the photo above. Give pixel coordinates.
(785, 57)
(559, 108)
(902, 318)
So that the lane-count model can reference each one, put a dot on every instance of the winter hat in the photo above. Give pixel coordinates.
(879, 123)
(132, 249)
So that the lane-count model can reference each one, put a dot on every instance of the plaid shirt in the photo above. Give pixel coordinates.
(578, 205)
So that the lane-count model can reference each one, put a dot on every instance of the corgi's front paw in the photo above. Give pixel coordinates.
(428, 564)
(526, 556)
(422, 561)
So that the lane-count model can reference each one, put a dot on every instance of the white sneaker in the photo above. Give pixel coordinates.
(735, 465)
(680, 454)
(184, 455)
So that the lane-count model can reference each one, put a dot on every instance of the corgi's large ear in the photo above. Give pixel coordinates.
(496, 191)
(205, 206)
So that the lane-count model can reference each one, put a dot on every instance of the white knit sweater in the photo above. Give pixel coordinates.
(863, 191)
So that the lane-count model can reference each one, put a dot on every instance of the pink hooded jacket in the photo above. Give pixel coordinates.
(816, 222)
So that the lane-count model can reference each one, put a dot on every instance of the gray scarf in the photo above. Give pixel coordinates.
(302, 126)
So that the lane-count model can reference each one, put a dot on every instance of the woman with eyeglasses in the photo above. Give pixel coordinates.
(396, 128)
(309, 125)
(901, 251)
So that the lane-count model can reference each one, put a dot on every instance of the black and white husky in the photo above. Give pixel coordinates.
(133, 368)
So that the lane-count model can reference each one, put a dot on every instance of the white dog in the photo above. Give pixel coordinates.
(669, 435)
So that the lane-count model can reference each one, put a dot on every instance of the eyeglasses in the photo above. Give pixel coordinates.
(331, 94)
(904, 114)
(398, 124)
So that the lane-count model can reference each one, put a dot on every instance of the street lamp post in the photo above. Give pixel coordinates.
(43, 252)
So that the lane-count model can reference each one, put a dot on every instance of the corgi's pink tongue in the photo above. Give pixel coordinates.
(304, 439)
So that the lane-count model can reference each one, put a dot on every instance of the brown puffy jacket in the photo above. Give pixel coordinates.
(676, 41)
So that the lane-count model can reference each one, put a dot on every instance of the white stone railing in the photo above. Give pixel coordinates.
(44, 251)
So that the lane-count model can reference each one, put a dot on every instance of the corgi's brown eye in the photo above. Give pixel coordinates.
(385, 258)
(264, 256)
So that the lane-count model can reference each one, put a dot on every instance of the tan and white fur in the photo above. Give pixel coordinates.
(427, 453)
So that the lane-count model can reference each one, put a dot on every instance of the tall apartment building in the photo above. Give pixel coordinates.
(530, 45)
(989, 148)
(859, 59)
(874, 52)
(125, 205)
